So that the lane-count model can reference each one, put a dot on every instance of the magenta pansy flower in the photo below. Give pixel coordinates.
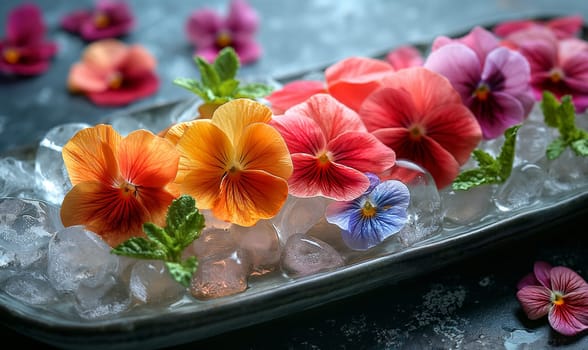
(108, 19)
(562, 27)
(210, 32)
(557, 65)
(493, 81)
(24, 50)
(558, 293)
(371, 218)
(331, 149)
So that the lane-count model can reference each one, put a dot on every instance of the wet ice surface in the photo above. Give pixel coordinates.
(72, 270)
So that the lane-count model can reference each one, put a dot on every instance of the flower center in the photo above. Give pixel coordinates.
(482, 92)
(556, 75)
(11, 55)
(557, 299)
(368, 210)
(101, 20)
(324, 160)
(416, 132)
(223, 39)
(128, 189)
(115, 80)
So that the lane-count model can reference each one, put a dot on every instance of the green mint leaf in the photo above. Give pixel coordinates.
(555, 149)
(182, 272)
(490, 170)
(218, 81)
(140, 248)
(562, 115)
(580, 147)
(227, 64)
(254, 90)
(549, 107)
(184, 224)
(208, 74)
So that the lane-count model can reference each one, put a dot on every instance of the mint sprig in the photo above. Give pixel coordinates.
(183, 225)
(490, 170)
(562, 115)
(218, 83)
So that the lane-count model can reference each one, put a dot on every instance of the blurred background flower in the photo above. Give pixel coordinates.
(210, 32)
(108, 19)
(24, 50)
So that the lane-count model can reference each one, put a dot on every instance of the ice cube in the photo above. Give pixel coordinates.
(305, 255)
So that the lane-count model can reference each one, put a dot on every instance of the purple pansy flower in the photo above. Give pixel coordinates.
(108, 19)
(557, 292)
(493, 81)
(557, 65)
(376, 215)
(209, 32)
(24, 50)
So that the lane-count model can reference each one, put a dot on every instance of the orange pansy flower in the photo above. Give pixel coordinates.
(235, 163)
(118, 183)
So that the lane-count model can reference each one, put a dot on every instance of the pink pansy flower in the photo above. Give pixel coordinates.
(24, 50)
(562, 27)
(558, 66)
(493, 81)
(419, 115)
(405, 56)
(331, 149)
(108, 19)
(112, 73)
(350, 81)
(558, 292)
(210, 32)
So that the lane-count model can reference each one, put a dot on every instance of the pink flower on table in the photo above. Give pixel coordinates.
(419, 115)
(331, 149)
(350, 81)
(210, 32)
(108, 19)
(562, 27)
(24, 50)
(558, 293)
(557, 65)
(112, 73)
(493, 81)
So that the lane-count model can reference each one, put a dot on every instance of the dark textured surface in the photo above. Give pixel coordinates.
(466, 305)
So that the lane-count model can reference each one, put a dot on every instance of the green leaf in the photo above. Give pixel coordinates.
(208, 74)
(184, 223)
(226, 64)
(183, 272)
(254, 90)
(490, 170)
(218, 81)
(140, 248)
(562, 115)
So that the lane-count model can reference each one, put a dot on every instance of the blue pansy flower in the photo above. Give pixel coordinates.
(371, 218)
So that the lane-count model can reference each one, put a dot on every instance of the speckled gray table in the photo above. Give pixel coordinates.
(467, 305)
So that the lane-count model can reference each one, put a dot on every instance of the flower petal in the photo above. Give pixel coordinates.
(535, 301)
(404, 57)
(333, 181)
(130, 92)
(352, 79)
(542, 272)
(242, 18)
(202, 26)
(147, 160)
(103, 210)
(233, 116)
(496, 114)
(564, 319)
(262, 148)
(565, 280)
(362, 151)
(294, 93)
(25, 25)
(249, 196)
(105, 55)
(333, 117)
(90, 155)
(83, 78)
(302, 135)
